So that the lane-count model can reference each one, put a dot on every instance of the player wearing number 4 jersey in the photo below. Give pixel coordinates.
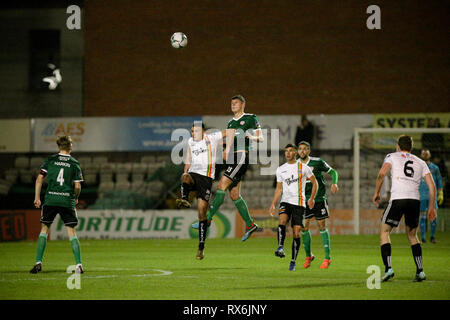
(406, 172)
(64, 177)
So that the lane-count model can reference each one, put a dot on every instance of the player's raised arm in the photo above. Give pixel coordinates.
(313, 180)
(379, 182)
(432, 196)
(77, 190)
(276, 197)
(37, 190)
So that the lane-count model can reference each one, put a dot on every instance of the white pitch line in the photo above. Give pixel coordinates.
(162, 273)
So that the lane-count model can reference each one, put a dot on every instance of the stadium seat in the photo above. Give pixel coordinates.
(26, 176)
(122, 185)
(11, 175)
(123, 167)
(137, 177)
(36, 162)
(100, 159)
(107, 167)
(122, 177)
(93, 168)
(90, 179)
(4, 186)
(106, 177)
(84, 160)
(22, 162)
(139, 167)
(148, 159)
(106, 186)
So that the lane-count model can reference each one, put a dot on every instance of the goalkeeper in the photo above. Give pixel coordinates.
(434, 169)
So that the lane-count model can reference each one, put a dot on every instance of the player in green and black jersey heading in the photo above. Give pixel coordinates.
(320, 210)
(247, 129)
(64, 177)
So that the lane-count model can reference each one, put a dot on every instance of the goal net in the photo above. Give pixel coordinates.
(370, 147)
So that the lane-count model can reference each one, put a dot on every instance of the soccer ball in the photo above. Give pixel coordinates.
(178, 40)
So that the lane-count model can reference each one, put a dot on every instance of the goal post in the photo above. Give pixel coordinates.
(370, 146)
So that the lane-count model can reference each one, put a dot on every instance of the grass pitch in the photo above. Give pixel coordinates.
(168, 270)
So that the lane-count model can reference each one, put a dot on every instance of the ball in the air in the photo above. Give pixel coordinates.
(178, 40)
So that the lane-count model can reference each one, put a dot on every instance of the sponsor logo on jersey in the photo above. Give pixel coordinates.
(242, 122)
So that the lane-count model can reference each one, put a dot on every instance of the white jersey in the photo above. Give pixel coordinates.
(293, 176)
(406, 172)
(203, 154)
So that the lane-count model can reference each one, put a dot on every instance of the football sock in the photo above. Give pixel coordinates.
(295, 248)
(243, 211)
(306, 237)
(386, 256)
(203, 225)
(185, 189)
(417, 254)
(217, 202)
(76, 248)
(42, 243)
(433, 227)
(423, 225)
(281, 235)
(325, 235)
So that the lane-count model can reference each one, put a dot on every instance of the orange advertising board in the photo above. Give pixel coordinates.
(18, 225)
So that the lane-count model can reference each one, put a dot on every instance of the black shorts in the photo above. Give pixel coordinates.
(320, 211)
(397, 208)
(202, 185)
(295, 213)
(235, 171)
(68, 215)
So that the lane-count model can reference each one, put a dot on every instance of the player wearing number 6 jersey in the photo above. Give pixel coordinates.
(64, 177)
(406, 172)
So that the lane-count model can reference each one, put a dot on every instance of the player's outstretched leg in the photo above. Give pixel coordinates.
(433, 227)
(76, 249)
(281, 236)
(42, 243)
(417, 255)
(295, 248)
(325, 235)
(186, 182)
(217, 202)
(202, 238)
(386, 256)
(306, 238)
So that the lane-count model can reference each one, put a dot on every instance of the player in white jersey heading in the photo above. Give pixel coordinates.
(199, 170)
(291, 182)
(406, 172)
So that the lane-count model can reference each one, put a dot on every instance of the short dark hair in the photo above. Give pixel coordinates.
(290, 145)
(64, 142)
(306, 143)
(196, 124)
(239, 97)
(405, 143)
